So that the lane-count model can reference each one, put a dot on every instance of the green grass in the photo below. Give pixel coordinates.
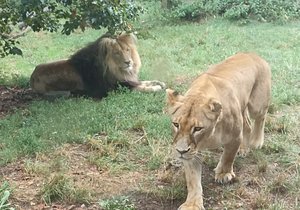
(60, 187)
(133, 127)
(48, 124)
(5, 192)
(121, 203)
(180, 51)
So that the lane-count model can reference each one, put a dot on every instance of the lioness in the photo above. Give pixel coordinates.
(215, 111)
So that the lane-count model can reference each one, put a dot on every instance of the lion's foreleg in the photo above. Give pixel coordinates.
(194, 200)
(150, 86)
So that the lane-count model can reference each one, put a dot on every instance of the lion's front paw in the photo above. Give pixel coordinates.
(158, 83)
(156, 88)
(224, 177)
(192, 206)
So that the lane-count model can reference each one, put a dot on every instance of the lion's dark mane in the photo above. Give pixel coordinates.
(98, 80)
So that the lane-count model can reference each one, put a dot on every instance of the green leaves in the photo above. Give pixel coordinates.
(7, 46)
(67, 15)
(268, 10)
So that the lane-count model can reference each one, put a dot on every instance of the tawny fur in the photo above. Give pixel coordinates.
(95, 70)
(216, 110)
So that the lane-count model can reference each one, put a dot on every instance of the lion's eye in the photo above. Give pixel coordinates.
(196, 129)
(176, 124)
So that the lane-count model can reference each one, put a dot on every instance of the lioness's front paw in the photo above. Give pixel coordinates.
(224, 177)
(192, 206)
(243, 152)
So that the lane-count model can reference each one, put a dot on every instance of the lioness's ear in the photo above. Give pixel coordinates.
(215, 106)
(173, 100)
(172, 97)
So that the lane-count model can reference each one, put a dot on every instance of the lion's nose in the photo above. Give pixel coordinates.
(182, 151)
(127, 63)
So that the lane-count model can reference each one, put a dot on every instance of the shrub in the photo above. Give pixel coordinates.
(192, 11)
(262, 10)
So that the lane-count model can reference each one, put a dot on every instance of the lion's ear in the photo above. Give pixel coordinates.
(128, 38)
(133, 38)
(104, 45)
(215, 106)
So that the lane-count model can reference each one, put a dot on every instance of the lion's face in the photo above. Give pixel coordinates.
(193, 122)
(121, 55)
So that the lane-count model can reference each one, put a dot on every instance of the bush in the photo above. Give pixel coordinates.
(192, 11)
(262, 10)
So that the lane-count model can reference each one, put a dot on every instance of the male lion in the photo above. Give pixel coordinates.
(216, 110)
(95, 70)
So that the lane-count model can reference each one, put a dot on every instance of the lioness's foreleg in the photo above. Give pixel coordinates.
(194, 200)
(224, 170)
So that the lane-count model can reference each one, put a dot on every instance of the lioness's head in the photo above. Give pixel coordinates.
(194, 119)
(121, 55)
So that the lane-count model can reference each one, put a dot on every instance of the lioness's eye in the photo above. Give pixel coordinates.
(197, 129)
(176, 124)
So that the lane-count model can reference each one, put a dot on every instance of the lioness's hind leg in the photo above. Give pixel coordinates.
(258, 108)
(258, 105)
(257, 135)
(245, 144)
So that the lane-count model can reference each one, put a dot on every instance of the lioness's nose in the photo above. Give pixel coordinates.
(182, 151)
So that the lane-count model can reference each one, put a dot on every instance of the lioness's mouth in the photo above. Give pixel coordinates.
(183, 158)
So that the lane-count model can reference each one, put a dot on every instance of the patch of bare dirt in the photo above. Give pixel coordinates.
(12, 98)
(27, 177)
